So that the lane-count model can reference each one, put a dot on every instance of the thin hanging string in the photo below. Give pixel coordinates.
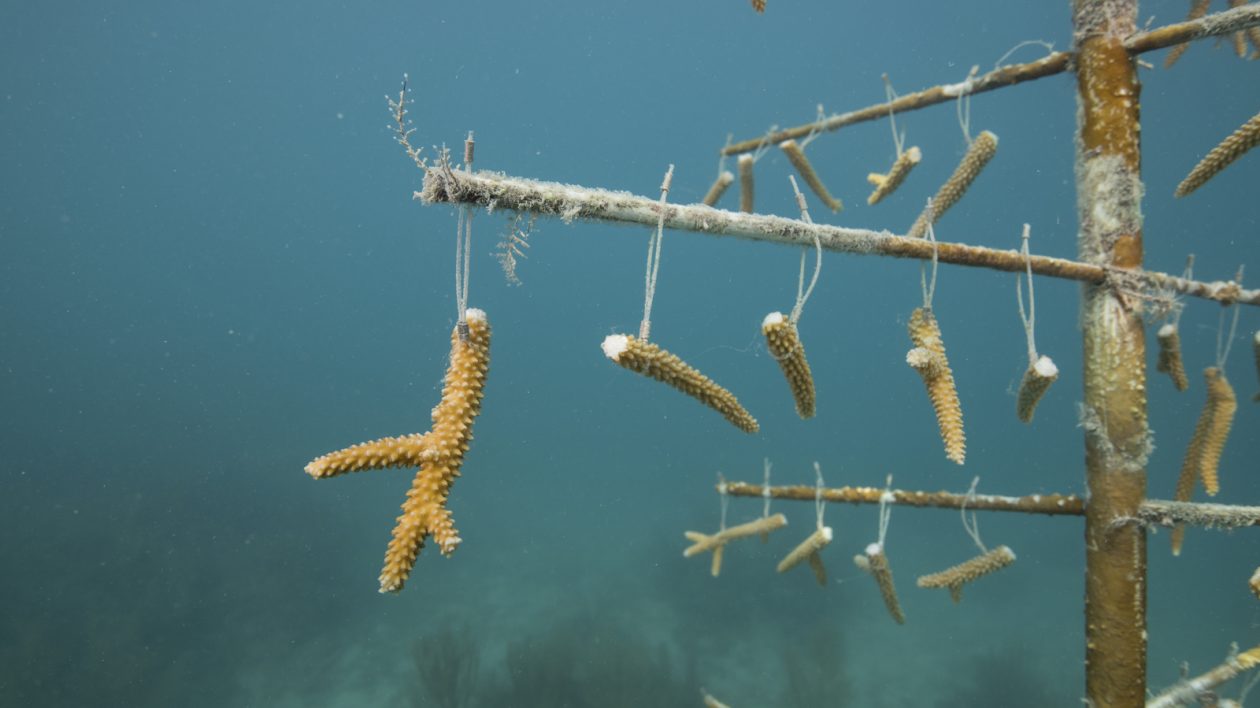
(929, 286)
(885, 510)
(803, 293)
(722, 155)
(654, 258)
(1222, 349)
(765, 488)
(899, 139)
(1030, 318)
(963, 105)
(724, 501)
(972, 526)
(819, 507)
(816, 129)
(1187, 274)
(463, 250)
(765, 143)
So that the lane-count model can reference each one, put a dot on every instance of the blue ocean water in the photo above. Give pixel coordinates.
(212, 270)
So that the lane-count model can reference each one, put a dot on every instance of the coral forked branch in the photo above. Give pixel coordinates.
(439, 454)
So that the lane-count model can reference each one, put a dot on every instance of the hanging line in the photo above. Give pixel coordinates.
(929, 286)
(654, 258)
(1030, 318)
(463, 250)
(803, 293)
(972, 527)
(819, 507)
(1222, 352)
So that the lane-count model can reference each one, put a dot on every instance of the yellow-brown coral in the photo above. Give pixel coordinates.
(701, 542)
(785, 346)
(796, 156)
(1170, 361)
(956, 577)
(982, 149)
(1037, 379)
(1255, 583)
(654, 362)
(928, 358)
(438, 453)
(1219, 410)
(808, 550)
(746, 184)
(887, 184)
(1231, 148)
(875, 562)
(718, 188)
(1203, 455)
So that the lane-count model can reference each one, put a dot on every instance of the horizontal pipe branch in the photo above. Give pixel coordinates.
(1053, 504)
(1214, 25)
(1153, 512)
(569, 202)
(1156, 512)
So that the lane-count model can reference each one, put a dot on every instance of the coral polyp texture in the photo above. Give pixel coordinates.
(1170, 361)
(808, 550)
(1203, 455)
(875, 562)
(1033, 386)
(796, 155)
(886, 184)
(1231, 148)
(654, 362)
(982, 149)
(701, 542)
(784, 343)
(439, 454)
(956, 577)
(928, 358)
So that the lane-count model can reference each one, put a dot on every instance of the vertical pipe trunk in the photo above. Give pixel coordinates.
(1117, 442)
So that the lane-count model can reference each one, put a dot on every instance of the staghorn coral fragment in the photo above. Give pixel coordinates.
(1037, 379)
(956, 577)
(654, 362)
(928, 358)
(796, 156)
(1203, 454)
(1220, 157)
(886, 184)
(982, 149)
(875, 562)
(402, 451)
(746, 184)
(439, 454)
(1170, 361)
(784, 343)
(1255, 583)
(424, 512)
(805, 549)
(701, 542)
(1219, 410)
(719, 187)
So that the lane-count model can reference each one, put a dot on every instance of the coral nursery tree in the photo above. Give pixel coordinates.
(1115, 292)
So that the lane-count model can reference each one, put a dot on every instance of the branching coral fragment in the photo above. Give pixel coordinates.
(439, 454)
(886, 184)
